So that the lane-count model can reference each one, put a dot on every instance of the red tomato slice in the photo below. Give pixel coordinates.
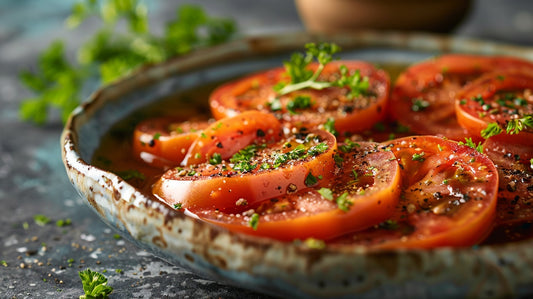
(163, 142)
(448, 197)
(423, 96)
(254, 174)
(227, 136)
(500, 98)
(256, 92)
(515, 192)
(364, 193)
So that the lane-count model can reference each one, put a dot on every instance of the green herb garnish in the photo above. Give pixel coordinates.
(326, 193)
(330, 126)
(254, 221)
(419, 105)
(215, 159)
(299, 102)
(94, 285)
(111, 54)
(310, 180)
(41, 220)
(301, 77)
(419, 157)
(468, 142)
(63, 222)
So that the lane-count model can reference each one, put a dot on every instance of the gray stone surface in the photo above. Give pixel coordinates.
(43, 261)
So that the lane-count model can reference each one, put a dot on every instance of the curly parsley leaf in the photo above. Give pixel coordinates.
(94, 285)
(110, 54)
(514, 126)
(301, 77)
(468, 142)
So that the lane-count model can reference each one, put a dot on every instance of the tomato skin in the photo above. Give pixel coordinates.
(155, 143)
(351, 116)
(476, 107)
(306, 214)
(227, 136)
(436, 83)
(220, 187)
(448, 197)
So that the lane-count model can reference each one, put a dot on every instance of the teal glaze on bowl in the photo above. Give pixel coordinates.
(273, 267)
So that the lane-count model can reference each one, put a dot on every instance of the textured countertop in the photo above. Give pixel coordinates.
(43, 261)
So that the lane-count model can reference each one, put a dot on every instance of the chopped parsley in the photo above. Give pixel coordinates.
(41, 220)
(492, 129)
(301, 77)
(326, 193)
(111, 53)
(94, 285)
(468, 142)
(330, 126)
(178, 206)
(299, 102)
(514, 126)
(348, 146)
(63, 222)
(215, 159)
(342, 201)
(419, 157)
(419, 105)
(254, 221)
(310, 180)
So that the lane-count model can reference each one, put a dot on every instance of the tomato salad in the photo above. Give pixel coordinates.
(293, 153)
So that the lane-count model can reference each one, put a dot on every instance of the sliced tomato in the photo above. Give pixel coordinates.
(163, 142)
(448, 197)
(515, 170)
(364, 193)
(254, 174)
(424, 95)
(499, 97)
(228, 135)
(332, 104)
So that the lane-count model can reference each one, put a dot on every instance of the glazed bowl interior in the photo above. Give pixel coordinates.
(286, 269)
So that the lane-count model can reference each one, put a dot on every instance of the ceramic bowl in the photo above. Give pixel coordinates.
(282, 269)
(418, 15)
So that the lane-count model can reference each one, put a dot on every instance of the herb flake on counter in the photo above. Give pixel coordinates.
(41, 220)
(94, 285)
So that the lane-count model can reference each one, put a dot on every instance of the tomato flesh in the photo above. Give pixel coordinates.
(424, 95)
(448, 197)
(227, 136)
(254, 174)
(497, 98)
(256, 92)
(164, 142)
(368, 178)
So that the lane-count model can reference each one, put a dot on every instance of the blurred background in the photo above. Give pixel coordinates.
(33, 181)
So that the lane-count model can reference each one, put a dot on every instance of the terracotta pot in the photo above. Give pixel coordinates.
(419, 15)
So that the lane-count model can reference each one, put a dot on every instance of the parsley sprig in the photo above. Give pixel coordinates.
(514, 126)
(94, 285)
(301, 77)
(110, 54)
